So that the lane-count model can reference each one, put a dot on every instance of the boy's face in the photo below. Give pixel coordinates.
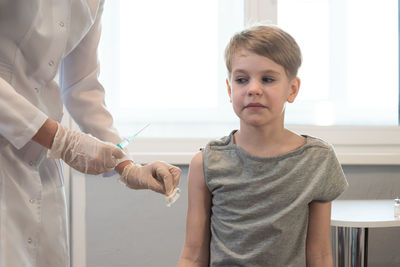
(259, 89)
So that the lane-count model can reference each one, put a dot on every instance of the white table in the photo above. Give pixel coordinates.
(351, 220)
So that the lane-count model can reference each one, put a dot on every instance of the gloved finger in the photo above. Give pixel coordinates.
(110, 163)
(113, 154)
(176, 174)
(166, 177)
(118, 153)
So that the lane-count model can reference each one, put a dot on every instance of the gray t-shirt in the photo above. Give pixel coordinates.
(259, 210)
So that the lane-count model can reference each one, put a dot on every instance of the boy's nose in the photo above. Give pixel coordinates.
(254, 88)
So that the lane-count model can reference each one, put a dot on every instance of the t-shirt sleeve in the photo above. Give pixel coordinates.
(331, 181)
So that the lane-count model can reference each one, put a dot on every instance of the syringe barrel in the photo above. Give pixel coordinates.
(123, 143)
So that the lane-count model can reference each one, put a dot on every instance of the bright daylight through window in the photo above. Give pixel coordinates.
(162, 63)
(350, 61)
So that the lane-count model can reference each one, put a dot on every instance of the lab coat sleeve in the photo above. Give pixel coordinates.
(19, 119)
(82, 93)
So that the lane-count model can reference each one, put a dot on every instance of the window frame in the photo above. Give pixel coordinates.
(354, 145)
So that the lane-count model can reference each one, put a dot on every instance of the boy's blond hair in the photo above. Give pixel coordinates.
(268, 41)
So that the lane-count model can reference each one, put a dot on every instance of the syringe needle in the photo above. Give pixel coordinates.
(133, 136)
(125, 142)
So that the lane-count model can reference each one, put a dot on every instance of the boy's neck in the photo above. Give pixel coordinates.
(267, 141)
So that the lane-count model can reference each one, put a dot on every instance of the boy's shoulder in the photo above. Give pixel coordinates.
(316, 142)
(317, 147)
(221, 143)
(197, 161)
(215, 144)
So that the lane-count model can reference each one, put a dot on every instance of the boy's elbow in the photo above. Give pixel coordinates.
(193, 257)
(187, 262)
(319, 259)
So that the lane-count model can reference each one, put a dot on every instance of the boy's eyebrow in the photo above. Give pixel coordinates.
(272, 72)
(236, 72)
(264, 72)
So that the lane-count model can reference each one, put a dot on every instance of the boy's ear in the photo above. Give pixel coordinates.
(229, 90)
(294, 90)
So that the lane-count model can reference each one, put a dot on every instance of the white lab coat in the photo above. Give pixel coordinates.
(38, 38)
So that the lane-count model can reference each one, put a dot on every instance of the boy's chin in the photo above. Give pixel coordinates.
(255, 123)
(260, 123)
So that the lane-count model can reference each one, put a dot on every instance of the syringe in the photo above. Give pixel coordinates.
(125, 142)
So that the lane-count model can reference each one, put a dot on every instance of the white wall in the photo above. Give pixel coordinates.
(132, 228)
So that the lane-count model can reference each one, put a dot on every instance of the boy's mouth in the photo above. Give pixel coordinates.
(254, 105)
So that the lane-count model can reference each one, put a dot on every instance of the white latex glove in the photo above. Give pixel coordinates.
(84, 152)
(158, 176)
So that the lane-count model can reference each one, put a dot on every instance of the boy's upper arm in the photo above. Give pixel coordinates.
(197, 239)
(196, 173)
(318, 234)
(199, 203)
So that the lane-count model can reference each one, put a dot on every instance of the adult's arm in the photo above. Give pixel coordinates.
(19, 119)
(84, 97)
(82, 93)
(45, 134)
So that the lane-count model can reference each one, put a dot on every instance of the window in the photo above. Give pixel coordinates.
(162, 62)
(165, 66)
(350, 61)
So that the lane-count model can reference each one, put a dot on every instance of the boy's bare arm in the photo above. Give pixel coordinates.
(197, 242)
(318, 244)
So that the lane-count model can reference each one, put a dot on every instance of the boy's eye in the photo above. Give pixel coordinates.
(267, 79)
(241, 80)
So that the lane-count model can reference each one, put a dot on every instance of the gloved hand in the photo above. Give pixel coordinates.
(158, 176)
(84, 152)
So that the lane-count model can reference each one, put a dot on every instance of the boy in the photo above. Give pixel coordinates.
(262, 195)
